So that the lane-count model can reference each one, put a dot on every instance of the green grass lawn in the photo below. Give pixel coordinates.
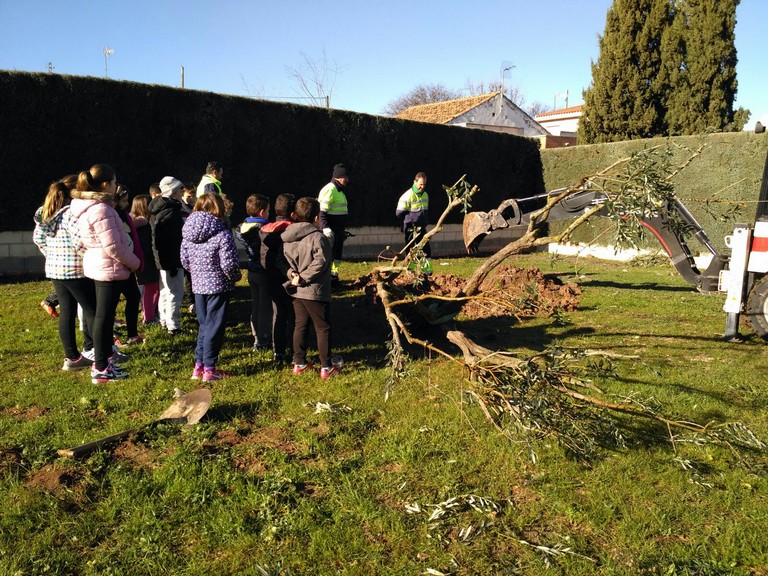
(295, 475)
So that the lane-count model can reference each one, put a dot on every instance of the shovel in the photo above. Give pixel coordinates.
(187, 409)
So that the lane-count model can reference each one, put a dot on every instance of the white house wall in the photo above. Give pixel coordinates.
(557, 126)
(487, 113)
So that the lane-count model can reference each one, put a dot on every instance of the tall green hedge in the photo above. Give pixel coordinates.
(53, 125)
(726, 174)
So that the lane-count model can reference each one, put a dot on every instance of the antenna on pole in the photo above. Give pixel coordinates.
(506, 65)
(561, 95)
(107, 53)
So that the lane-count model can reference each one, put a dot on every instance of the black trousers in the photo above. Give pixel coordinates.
(283, 319)
(337, 224)
(71, 293)
(107, 297)
(411, 231)
(132, 298)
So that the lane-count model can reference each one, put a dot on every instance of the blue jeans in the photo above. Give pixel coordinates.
(211, 310)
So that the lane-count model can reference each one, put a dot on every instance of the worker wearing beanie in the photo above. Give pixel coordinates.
(333, 215)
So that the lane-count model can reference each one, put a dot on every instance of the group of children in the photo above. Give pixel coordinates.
(289, 274)
(96, 250)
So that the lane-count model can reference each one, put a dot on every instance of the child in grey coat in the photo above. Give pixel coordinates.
(309, 257)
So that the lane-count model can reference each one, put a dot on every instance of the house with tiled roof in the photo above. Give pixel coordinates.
(562, 122)
(492, 111)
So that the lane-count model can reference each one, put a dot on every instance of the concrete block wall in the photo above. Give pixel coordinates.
(370, 241)
(20, 257)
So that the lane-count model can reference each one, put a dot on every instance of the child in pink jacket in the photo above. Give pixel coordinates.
(109, 259)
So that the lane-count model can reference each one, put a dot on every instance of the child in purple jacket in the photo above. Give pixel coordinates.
(208, 251)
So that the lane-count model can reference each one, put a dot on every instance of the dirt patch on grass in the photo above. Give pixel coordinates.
(24, 414)
(138, 455)
(251, 464)
(229, 437)
(54, 479)
(10, 460)
(276, 438)
(519, 291)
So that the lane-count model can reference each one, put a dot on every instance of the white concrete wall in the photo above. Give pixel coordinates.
(20, 256)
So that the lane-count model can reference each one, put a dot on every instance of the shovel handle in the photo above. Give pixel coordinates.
(77, 451)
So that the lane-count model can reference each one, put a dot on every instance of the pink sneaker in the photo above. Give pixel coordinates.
(209, 376)
(301, 368)
(197, 373)
(326, 373)
(132, 341)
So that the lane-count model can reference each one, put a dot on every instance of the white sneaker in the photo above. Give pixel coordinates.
(90, 354)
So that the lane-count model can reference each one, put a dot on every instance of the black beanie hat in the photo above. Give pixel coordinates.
(340, 171)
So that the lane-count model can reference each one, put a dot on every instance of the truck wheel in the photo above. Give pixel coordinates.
(757, 308)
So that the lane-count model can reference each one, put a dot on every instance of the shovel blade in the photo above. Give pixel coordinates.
(188, 409)
(191, 406)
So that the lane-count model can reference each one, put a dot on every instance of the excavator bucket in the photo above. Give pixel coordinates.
(476, 226)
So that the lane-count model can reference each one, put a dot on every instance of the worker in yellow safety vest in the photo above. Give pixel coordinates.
(413, 209)
(333, 215)
(211, 180)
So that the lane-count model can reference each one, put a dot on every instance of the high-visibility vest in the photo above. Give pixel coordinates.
(205, 180)
(412, 201)
(332, 200)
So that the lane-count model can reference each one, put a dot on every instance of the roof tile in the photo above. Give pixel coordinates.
(443, 112)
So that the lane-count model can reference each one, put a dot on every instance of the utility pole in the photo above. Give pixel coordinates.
(182, 76)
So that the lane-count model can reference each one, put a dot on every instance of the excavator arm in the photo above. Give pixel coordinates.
(477, 225)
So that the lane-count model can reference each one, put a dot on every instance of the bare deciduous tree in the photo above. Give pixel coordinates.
(537, 108)
(315, 78)
(422, 94)
(512, 92)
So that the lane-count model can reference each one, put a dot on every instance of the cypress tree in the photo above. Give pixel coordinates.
(666, 67)
(622, 102)
(702, 98)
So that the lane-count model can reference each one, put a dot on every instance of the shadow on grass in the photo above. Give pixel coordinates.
(247, 410)
(359, 330)
(749, 340)
(652, 286)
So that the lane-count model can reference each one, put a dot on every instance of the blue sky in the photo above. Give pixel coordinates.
(380, 49)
